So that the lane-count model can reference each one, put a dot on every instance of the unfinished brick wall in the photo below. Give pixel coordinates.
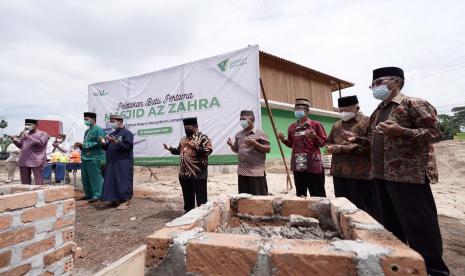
(192, 244)
(36, 230)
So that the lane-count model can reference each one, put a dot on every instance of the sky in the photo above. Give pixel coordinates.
(50, 51)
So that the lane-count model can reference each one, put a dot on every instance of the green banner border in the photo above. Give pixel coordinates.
(174, 160)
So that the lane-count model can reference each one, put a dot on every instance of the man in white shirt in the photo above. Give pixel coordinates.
(57, 146)
(12, 161)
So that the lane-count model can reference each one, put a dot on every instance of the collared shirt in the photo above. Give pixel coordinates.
(306, 155)
(33, 147)
(194, 162)
(410, 157)
(352, 160)
(92, 148)
(251, 160)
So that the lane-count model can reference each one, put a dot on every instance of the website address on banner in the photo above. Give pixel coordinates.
(154, 122)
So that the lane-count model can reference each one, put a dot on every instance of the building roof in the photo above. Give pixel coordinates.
(335, 83)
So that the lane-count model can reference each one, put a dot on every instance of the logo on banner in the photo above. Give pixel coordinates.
(100, 93)
(223, 65)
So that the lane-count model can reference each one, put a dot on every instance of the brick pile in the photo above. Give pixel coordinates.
(36, 230)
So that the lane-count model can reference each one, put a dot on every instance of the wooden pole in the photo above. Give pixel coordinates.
(289, 182)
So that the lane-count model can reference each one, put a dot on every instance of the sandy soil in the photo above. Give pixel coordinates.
(160, 200)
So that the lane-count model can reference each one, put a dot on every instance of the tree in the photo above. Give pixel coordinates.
(452, 124)
(3, 124)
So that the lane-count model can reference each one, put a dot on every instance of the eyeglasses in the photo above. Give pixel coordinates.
(380, 81)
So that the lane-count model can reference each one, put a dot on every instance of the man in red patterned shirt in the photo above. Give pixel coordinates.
(305, 137)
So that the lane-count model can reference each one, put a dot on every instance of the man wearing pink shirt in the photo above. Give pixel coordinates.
(33, 145)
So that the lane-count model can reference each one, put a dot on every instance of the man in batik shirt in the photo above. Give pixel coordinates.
(251, 146)
(305, 137)
(194, 149)
(403, 166)
(350, 162)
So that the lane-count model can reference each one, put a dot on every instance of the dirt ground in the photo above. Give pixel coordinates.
(107, 234)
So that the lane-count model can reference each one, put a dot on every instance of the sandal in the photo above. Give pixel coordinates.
(123, 206)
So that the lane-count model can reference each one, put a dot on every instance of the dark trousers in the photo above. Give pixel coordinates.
(254, 185)
(313, 182)
(25, 173)
(359, 192)
(408, 210)
(192, 190)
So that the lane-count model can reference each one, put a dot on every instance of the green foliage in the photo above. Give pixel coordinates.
(4, 142)
(451, 124)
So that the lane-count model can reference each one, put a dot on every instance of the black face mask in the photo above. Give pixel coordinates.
(189, 132)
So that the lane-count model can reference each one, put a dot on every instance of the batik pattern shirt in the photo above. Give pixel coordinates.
(194, 161)
(351, 160)
(408, 158)
(306, 155)
(251, 160)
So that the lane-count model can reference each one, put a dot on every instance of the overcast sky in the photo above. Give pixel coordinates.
(51, 50)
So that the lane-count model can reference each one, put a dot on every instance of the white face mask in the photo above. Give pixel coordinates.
(346, 116)
(244, 124)
(381, 92)
(59, 140)
(114, 125)
(27, 128)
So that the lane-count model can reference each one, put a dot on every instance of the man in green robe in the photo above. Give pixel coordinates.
(93, 159)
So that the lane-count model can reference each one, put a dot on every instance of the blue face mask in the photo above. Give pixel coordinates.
(381, 92)
(244, 124)
(299, 114)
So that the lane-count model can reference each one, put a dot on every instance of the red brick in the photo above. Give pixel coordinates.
(158, 243)
(15, 237)
(213, 220)
(68, 235)
(305, 257)
(38, 247)
(69, 265)
(57, 255)
(222, 254)
(5, 222)
(5, 259)
(341, 205)
(17, 271)
(348, 221)
(61, 223)
(403, 262)
(296, 206)
(69, 206)
(17, 201)
(25, 188)
(39, 213)
(59, 193)
(256, 206)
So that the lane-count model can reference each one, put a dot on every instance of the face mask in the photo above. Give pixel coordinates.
(244, 124)
(346, 116)
(114, 125)
(381, 92)
(87, 123)
(59, 140)
(27, 128)
(299, 114)
(189, 132)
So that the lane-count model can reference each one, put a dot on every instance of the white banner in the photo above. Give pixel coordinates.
(214, 90)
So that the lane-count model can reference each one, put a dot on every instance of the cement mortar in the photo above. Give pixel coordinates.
(286, 232)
